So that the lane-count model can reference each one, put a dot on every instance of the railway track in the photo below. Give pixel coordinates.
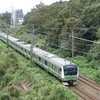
(86, 89)
(89, 82)
(82, 94)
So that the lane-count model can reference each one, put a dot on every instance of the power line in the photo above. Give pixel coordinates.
(85, 53)
(86, 40)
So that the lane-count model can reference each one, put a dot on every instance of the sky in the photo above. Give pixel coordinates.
(25, 5)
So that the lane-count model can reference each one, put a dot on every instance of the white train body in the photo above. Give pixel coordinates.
(64, 70)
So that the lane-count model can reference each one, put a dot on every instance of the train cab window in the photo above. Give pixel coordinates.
(70, 70)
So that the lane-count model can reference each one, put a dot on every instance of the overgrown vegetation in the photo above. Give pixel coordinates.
(15, 70)
(53, 27)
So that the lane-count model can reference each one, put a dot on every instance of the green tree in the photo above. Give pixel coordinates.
(90, 15)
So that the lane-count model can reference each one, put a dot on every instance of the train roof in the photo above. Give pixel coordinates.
(51, 56)
(23, 44)
(45, 54)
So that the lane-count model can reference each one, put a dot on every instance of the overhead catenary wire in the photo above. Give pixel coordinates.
(75, 49)
(85, 40)
(85, 53)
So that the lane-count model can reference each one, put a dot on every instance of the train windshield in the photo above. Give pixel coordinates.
(70, 70)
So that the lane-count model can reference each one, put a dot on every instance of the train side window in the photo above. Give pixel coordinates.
(55, 68)
(45, 62)
(16, 45)
(21, 48)
(59, 70)
(25, 50)
(39, 59)
(49, 64)
(52, 66)
(42, 60)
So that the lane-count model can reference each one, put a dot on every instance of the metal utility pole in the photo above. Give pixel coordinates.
(12, 15)
(7, 38)
(31, 47)
(7, 33)
(72, 33)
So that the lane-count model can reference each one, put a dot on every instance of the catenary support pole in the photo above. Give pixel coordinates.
(72, 33)
(32, 47)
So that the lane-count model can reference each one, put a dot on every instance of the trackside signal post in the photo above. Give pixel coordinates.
(72, 33)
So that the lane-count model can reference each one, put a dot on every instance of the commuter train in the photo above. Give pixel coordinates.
(66, 71)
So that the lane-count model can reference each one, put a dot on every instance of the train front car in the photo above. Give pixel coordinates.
(70, 73)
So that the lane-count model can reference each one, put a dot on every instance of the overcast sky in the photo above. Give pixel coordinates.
(25, 5)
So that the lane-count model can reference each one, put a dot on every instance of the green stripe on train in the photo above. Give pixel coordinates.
(73, 76)
(49, 69)
(38, 62)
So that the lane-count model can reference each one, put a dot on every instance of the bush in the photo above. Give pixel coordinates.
(6, 79)
(11, 59)
(97, 76)
(2, 71)
(4, 96)
(14, 92)
(55, 92)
